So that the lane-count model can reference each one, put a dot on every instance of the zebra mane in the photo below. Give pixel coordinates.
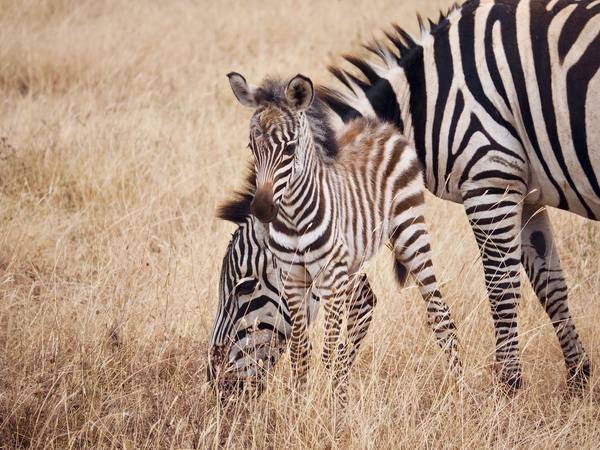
(398, 50)
(237, 209)
(272, 90)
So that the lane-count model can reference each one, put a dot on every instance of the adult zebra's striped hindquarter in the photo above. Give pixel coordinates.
(332, 203)
(502, 101)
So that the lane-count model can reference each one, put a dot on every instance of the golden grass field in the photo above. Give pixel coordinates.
(118, 138)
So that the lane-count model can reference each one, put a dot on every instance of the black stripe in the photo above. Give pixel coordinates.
(415, 75)
(459, 106)
(467, 38)
(497, 174)
(384, 102)
(445, 74)
(571, 28)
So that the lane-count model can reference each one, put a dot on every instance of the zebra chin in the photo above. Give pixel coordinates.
(244, 365)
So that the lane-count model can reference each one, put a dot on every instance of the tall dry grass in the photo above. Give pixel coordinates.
(118, 137)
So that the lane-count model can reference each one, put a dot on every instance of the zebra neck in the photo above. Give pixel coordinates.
(300, 204)
(308, 158)
(259, 229)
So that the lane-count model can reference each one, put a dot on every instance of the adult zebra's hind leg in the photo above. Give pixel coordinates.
(495, 217)
(542, 264)
(412, 250)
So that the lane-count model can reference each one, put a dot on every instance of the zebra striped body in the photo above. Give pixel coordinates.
(502, 101)
(332, 204)
(251, 303)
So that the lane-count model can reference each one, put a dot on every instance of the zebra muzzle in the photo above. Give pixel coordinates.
(245, 363)
(263, 205)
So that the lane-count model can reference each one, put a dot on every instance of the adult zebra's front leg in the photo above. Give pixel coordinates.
(542, 264)
(495, 217)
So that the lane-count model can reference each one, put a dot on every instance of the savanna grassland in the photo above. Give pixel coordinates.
(119, 136)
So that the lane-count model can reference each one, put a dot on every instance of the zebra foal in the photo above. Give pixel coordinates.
(331, 203)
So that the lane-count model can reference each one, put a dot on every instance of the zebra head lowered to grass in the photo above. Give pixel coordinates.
(248, 302)
(332, 201)
(502, 102)
(252, 325)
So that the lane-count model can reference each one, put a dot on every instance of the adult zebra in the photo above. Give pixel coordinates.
(502, 101)
(252, 325)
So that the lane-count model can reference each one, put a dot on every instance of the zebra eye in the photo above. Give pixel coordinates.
(290, 148)
(246, 287)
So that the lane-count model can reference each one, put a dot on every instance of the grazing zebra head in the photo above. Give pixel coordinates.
(249, 300)
(252, 322)
(277, 139)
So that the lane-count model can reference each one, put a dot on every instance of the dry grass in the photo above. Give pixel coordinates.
(118, 137)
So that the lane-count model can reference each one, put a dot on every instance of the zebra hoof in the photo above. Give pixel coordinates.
(579, 376)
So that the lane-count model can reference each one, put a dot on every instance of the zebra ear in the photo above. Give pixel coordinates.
(244, 92)
(300, 92)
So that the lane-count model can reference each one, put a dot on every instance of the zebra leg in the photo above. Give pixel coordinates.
(361, 301)
(333, 289)
(412, 250)
(296, 291)
(542, 264)
(495, 218)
